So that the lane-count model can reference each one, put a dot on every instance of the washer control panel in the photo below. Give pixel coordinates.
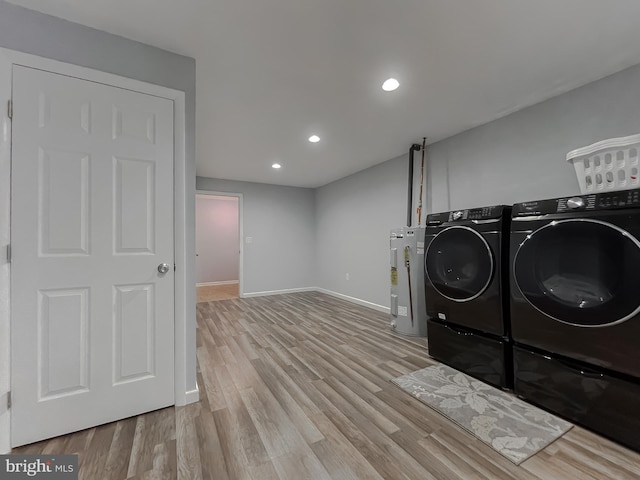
(628, 198)
(470, 214)
(587, 202)
(595, 201)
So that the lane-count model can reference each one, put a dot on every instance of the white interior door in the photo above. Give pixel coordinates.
(92, 333)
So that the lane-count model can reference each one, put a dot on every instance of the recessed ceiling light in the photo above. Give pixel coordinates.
(390, 85)
(314, 138)
(276, 166)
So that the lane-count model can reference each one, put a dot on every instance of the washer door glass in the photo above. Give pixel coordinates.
(459, 263)
(581, 272)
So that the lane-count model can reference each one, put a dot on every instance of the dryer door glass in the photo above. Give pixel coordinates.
(459, 263)
(581, 272)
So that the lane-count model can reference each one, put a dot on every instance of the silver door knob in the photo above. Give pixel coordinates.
(163, 267)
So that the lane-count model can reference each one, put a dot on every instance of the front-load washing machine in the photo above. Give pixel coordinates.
(466, 291)
(575, 309)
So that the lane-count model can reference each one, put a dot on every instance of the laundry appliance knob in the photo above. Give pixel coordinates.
(575, 203)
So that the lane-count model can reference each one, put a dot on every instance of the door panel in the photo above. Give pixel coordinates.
(64, 202)
(135, 206)
(133, 322)
(63, 321)
(92, 218)
(133, 125)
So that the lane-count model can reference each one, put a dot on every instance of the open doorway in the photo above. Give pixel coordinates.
(218, 247)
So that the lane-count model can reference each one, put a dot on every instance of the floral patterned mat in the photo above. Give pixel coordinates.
(507, 424)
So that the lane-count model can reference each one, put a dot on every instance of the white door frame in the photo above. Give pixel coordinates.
(184, 289)
(5, 215)
(240, 233)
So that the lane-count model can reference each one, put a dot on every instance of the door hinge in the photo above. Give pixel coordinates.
(10, 108)
(8, 400)
(8, 253)
(174, 267)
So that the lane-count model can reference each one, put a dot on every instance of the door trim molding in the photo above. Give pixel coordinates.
(5, 199)
(240, 233)
(184, 287)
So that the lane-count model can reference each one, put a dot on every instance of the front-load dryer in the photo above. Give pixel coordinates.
(466, 291)
(575, 309)
(576, 278)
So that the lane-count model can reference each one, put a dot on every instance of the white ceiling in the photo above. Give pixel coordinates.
(271, 73)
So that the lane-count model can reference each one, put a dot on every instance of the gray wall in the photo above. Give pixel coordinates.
(38, 34)
(217, 239)
(281, 222)
(522, 156)
(354, 216)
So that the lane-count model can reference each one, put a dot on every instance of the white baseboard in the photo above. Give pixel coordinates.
(278, 292)
(358, 301)
(224, 282)
(364, 303)
(191, 396)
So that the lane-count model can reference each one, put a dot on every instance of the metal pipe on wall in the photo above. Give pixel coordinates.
(415, 147)
(419, 210)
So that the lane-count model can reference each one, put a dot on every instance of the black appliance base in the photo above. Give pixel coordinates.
(585, 395)
(483, 357)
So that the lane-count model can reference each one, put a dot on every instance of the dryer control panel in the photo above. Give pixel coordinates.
(595, 201)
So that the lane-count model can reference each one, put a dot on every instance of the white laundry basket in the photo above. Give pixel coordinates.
(608, 165)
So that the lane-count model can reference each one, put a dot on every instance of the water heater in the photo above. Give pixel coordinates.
(408, 312)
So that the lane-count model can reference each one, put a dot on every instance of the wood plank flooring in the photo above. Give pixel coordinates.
(297, 387)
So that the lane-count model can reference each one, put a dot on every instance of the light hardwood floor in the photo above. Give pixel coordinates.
(297, 387)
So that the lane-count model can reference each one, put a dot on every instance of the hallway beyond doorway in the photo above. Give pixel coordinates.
(211, 293)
